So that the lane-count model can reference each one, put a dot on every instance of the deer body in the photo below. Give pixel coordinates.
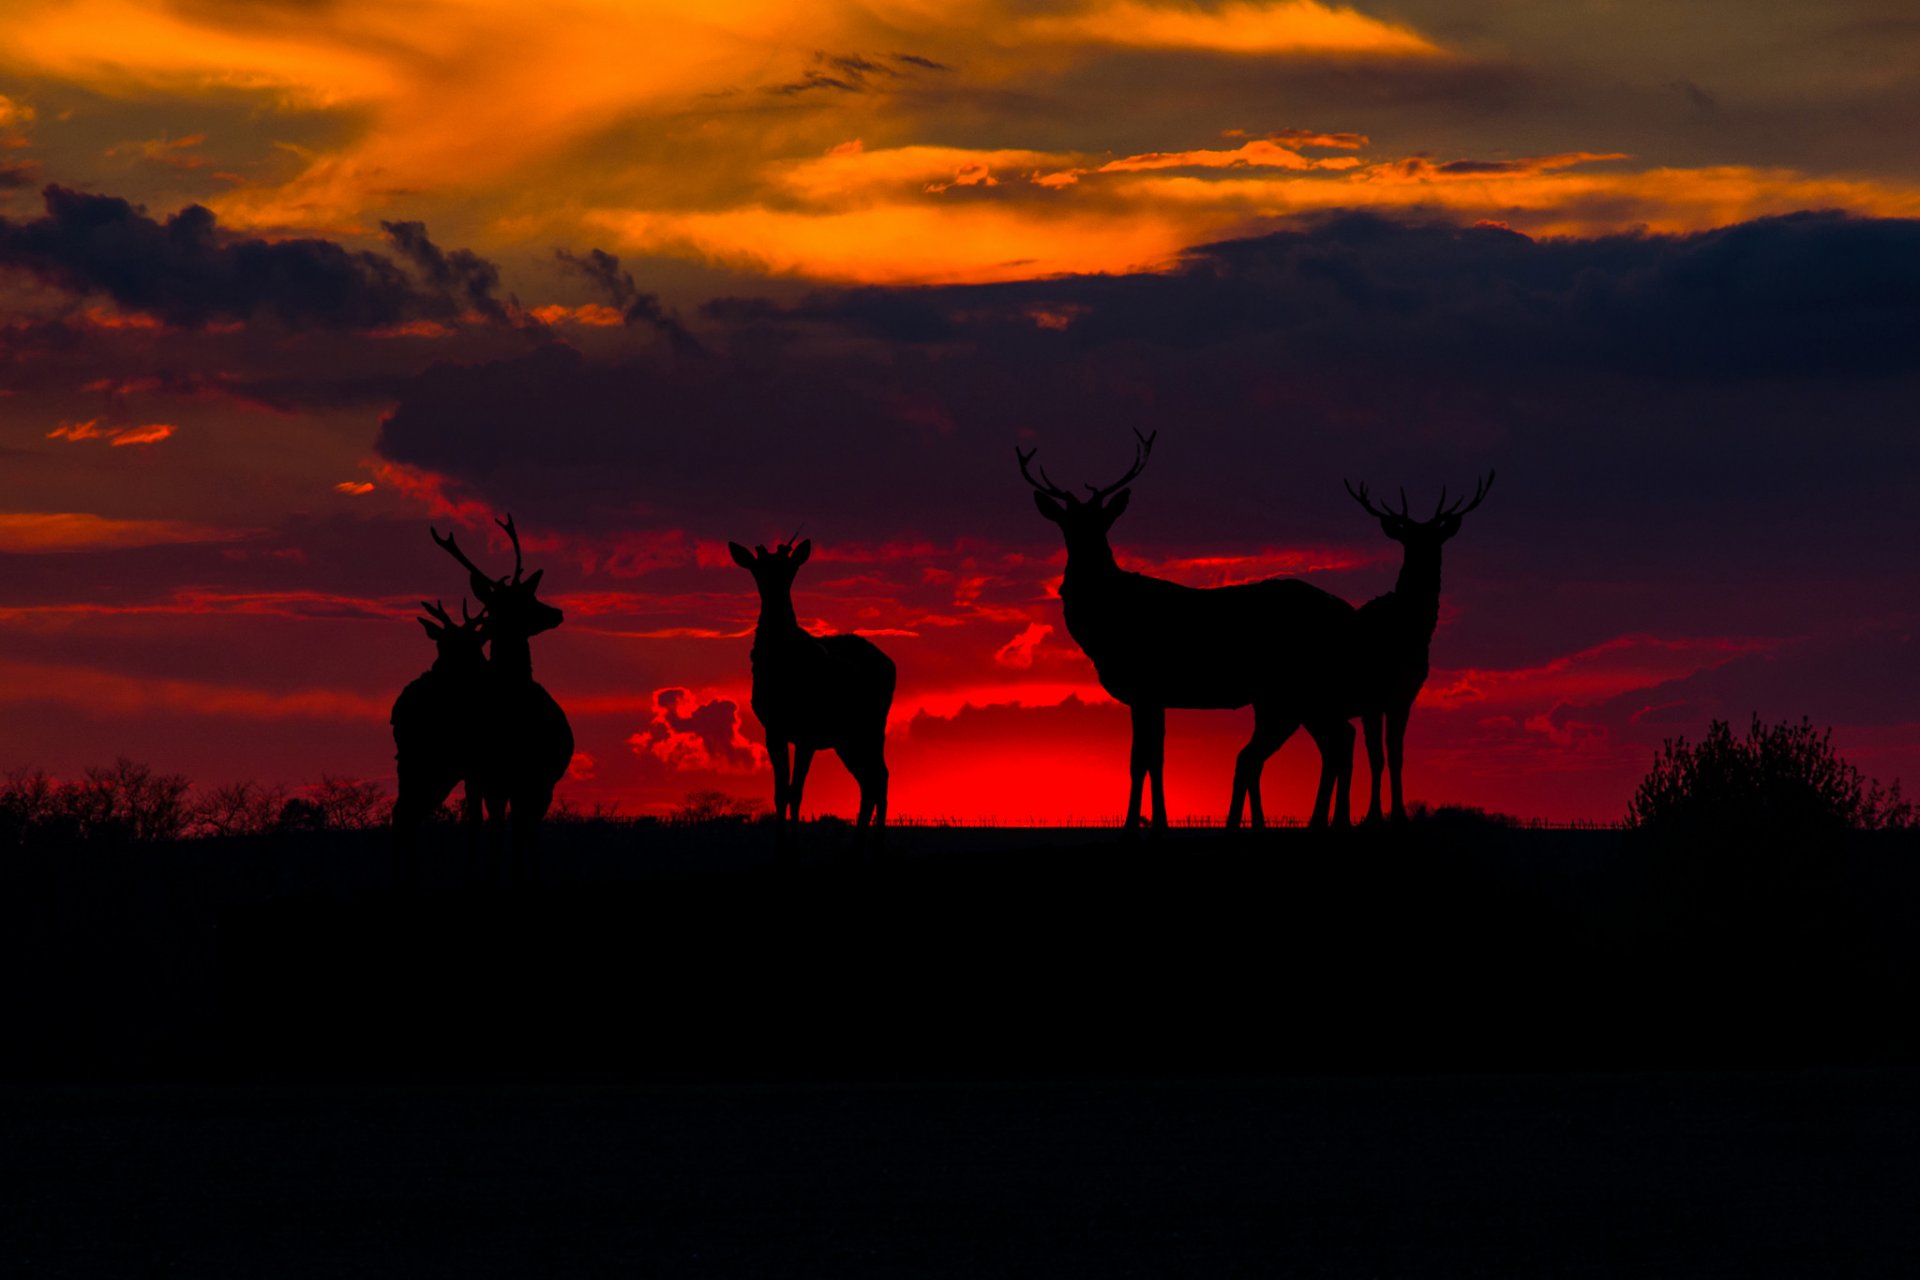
(1281, 646)
(524, 741)
(438, 722)
(813, 693)
(1396, 637)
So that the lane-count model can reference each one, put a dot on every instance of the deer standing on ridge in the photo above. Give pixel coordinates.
(437, 722)
(1281, 644)
(811, 692)
(525, 742)
(1396, 631)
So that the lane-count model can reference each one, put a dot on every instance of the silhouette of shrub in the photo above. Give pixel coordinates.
(348, 804)
(245, 808)
(715, 806)
(1782, 779)
(125, 801)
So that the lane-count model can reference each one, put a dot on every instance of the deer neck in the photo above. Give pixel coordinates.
(1089, 566)
(511, 659)
(777, 620)
(1418, 588)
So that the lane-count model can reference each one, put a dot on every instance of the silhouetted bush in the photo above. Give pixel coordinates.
(716, 806)
(1782, 779)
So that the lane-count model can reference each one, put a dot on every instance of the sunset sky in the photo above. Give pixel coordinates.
(284, 282)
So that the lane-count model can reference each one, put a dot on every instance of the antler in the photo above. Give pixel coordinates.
(1479, 495)
(507, 524)
(1049, 488)
(1440, 509)
(452, 548)
(1141, 452)
(1364, 501)
(439, 612)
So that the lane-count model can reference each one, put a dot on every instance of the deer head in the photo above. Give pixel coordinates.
(772, 570)
(460, 644)
(509, 602)
(1085, 521)
(1412, 532)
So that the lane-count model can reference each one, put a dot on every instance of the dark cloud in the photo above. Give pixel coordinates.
(460, 274)
(854, 73)
(635, 307)
(186, 271)
(15, 174)
(1680, 418)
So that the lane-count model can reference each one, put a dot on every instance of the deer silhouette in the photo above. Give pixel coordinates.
(1396, 631)
(437, 722)
(812, 692)
(525, 742)
(1281, 645)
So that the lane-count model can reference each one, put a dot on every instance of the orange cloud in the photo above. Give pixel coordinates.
(1261, 153)
(1283, 27)
(152, 433)
(110, 693)
(43, 531)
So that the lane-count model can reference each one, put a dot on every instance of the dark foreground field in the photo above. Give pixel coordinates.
(1455, 1049)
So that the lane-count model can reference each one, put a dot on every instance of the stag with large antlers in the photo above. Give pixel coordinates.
(525, 741)
(812, 692)
(1396, 631)
(437, 722)
(1280, 645)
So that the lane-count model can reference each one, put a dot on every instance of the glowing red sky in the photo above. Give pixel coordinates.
(281, 285)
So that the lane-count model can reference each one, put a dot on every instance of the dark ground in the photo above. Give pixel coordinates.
(1452, 1050)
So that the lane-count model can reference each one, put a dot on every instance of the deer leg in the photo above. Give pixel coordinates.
(1396, 755)
(777, 757)
(1138, 756)
(528, 808)
(495, 870)
(868, 765)
(1332, 802)
(1157, 768)
(412, 807)
(1268, 737)
(1376, 765)
(802, 761)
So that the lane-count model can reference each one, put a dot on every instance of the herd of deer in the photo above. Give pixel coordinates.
(1298, 655)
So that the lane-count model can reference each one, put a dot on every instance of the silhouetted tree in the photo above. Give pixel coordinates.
(349, 804)
(1282, 645)
(1782, 779)
(527, 743)
(238, 809)
(812, 692)
(127, 800)
(1396, 632)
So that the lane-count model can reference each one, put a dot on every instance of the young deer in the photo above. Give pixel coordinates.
(437, 722)
(811, 692)
(1396, 631)
(526, 743)
(1280, 645)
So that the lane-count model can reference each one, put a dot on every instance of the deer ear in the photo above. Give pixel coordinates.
(741, 556)
(1116, 504)
(483, 586)
(532, 582)
(431, 628)
(1048, 507)
(801, 552)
